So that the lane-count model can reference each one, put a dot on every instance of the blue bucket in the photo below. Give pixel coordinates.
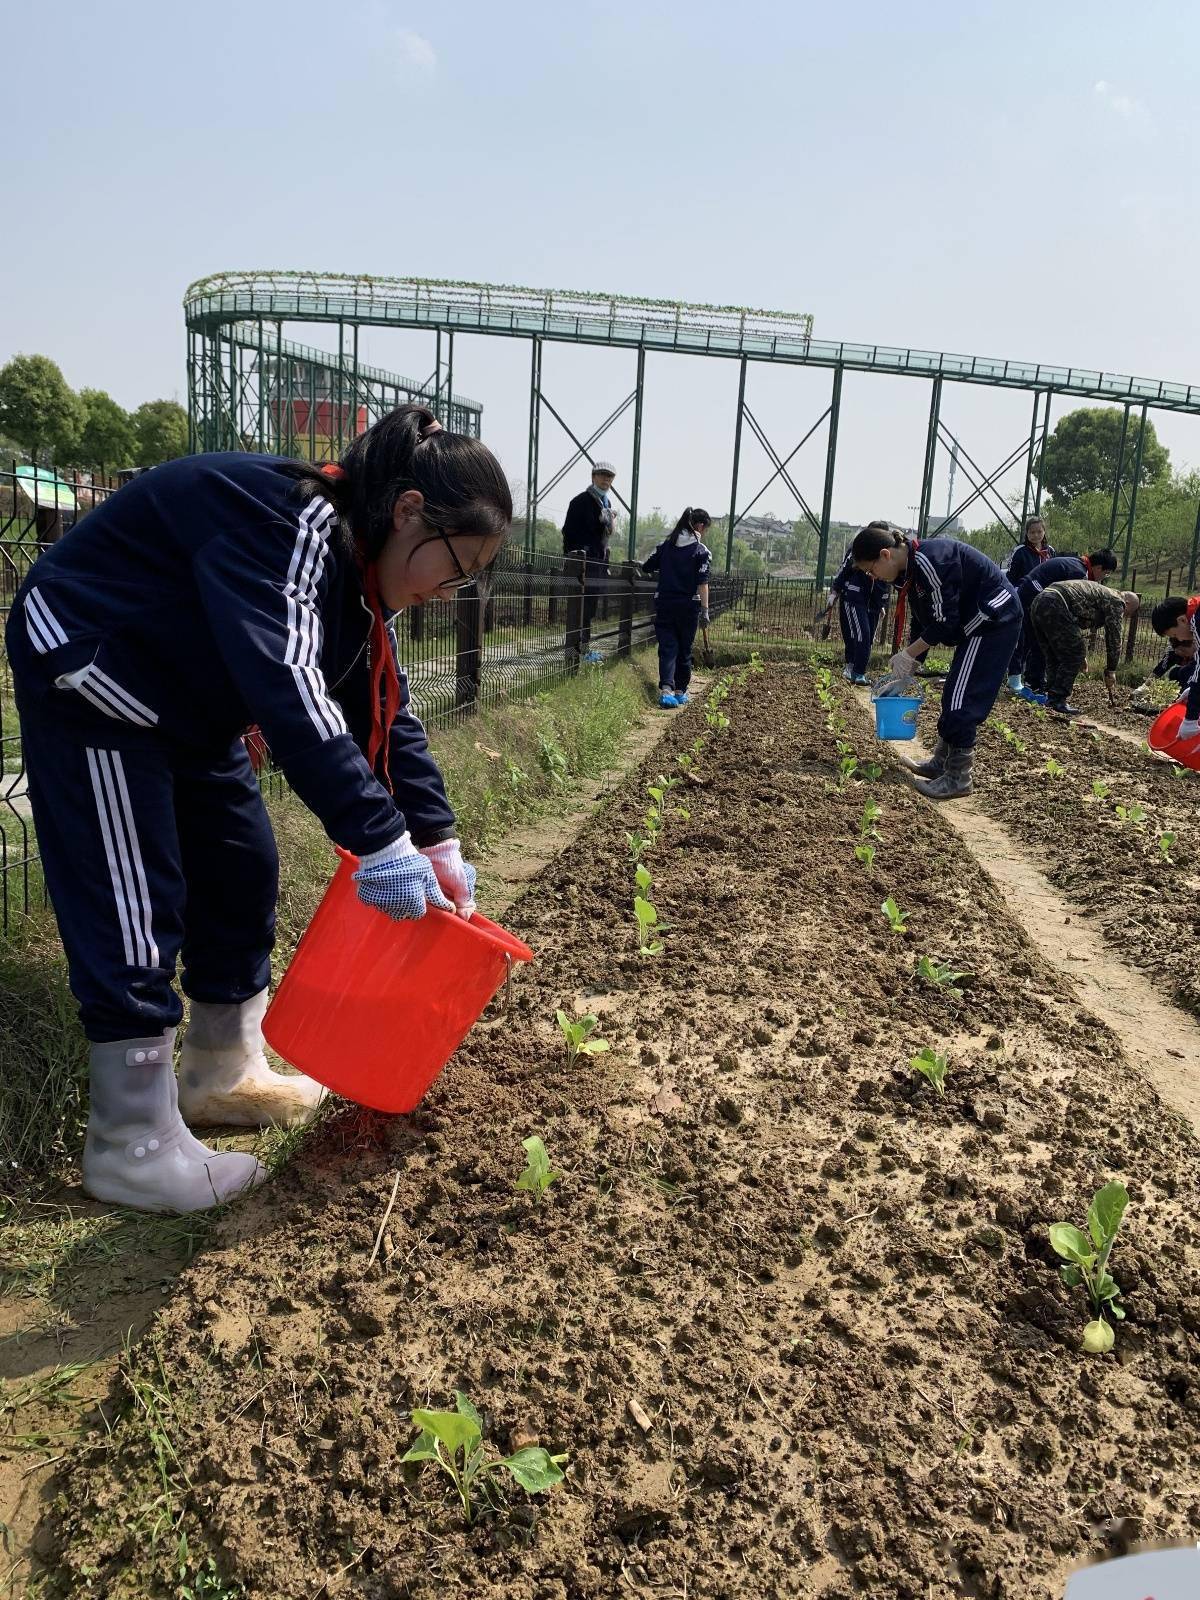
(896, 716)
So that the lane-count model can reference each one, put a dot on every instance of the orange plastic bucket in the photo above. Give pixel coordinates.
(374, 1008)
(1164, 736)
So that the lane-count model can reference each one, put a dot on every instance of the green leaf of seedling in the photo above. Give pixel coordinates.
(1098, 1337)
(534, 1468)
(1114, 1310)
(896, 917)
(538, 1175)
(1072, 1276)
(425, 1448)
(450, 1428)
(645, 913)
(932, 1065)
(1105, 1212)
(463, 1406)
(1068, 1242)
(643, 879)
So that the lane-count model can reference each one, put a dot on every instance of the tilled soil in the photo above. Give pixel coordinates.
(793, 1316)
(1148, 902)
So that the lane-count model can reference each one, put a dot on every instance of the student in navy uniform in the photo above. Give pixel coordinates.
(1030, 553)
(1177, 663)
(1178, 619)
(588, 531)
(683, 562)
(1027, 670)
(215, 592)
(958, 597)
(860, 600)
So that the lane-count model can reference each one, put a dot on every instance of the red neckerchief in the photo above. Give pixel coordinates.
(1193, 607)
(385, 675)
(1043, 552)
(902, 603)
(1087, 566)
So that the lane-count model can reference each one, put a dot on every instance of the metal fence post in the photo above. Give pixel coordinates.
(576, 575)
(527, 608)
(416, 624)
(468, 654)
(1132, 636)
(625, 635)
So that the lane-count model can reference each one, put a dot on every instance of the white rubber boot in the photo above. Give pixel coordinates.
(225, 1080)
(138, 1152)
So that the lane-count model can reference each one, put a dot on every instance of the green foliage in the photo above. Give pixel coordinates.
(38, 407)
(1008, 735)
(538, 1175)
(872, 811)
(1053, 768)
(866, 854)
(107, 439)
(1166, 842)
(1087, 1257)
(931, 1064)
(896, 917)
(647, 926)
(577, 1033)
(1100, 789)
(1132, 816)
(162, 432)
(454, 1440)
(941, 975)
(1083, 450)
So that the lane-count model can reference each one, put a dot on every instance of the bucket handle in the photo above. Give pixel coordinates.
(483, 926)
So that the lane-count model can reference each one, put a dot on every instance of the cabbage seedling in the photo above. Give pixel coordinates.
(941, 975)
(1165, 843)
(933, 1065)
(896, 917)
(1099, 788)
(866, 854)
(538, 1174)
(1087, 1262)
(647, 925)
(454, 1439)
(1054, 769)
(872, 812)
(871, 771)
(1133, 816)
(578, 1033)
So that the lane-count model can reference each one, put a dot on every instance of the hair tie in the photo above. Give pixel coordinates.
(332, 471)
(430, 429)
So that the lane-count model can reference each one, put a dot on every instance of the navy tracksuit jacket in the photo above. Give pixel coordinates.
(960, 597)
(208, 594)
(1024, 560)
(862, 599)
(1027, 658)
(681, 569)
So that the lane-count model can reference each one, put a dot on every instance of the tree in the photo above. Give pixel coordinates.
(162, 432)
(1083, 450)
(38, 408)
(108, 438)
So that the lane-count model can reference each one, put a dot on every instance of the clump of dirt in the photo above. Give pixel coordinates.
(793, 1315)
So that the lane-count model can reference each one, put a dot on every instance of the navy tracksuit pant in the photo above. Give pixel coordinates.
(150, 854)
(858, 633)
(979, 667)
(675, 624)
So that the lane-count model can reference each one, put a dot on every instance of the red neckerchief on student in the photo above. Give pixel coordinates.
(1043, 552)
(385, 676)
(902, 603)
(1087, 566)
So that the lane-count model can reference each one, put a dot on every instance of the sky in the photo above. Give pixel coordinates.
(1006, 179)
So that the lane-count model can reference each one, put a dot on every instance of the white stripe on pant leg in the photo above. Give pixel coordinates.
(116, 822)
(960, 683)
(110, 852)
(139, 866)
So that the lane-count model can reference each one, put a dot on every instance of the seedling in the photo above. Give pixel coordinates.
(454, 1439)
(847, 767)
(1133, 816)
(647, 925)
(1054, 769)
(933, 1065)
(1087, 1262)
(872, 812)
(538, 1175)
(578, 1032)
(896, 917)
(1165, 843)
(717, 721)
(1008, 735)
(1099, 788)
(941, 974)
(871, 771)
(866, 854)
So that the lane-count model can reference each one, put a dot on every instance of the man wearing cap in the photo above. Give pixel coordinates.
(587, 531)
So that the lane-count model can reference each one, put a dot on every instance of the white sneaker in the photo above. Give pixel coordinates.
(225, 1079)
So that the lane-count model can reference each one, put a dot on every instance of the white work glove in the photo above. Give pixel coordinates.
(400, 881)
(1188, 729)
(902, 665)
(455, 876)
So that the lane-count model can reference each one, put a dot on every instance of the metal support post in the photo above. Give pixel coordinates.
(1133, 494)
(1116, 498)
(1037, 503)
(835, 406)
(637, 453)
(737, 455)
(449, 423)
(931, 444)
(1033, 424)
(535, 412)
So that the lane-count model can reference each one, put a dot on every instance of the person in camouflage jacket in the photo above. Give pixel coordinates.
(1060, 616)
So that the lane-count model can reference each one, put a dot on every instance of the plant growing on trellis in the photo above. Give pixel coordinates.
(577, 1032)
(931, 1064)
(941, 975)
(454, 1440)
(1087, 1256)
(538, 1174)
(896, 917)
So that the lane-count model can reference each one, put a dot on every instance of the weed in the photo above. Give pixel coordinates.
(896, 917)
(1087, 1262)
(578, 1034)
(454, 1439)
(933, 1065)
(538, 1175)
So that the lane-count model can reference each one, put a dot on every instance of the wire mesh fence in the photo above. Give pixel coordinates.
(533, 622)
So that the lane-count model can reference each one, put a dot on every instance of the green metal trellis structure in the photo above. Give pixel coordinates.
(248, 388)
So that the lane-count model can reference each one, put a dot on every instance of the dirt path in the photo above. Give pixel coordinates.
(792, 1315)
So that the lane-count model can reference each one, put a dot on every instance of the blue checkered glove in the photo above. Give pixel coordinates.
(455, 876)
(399, 880)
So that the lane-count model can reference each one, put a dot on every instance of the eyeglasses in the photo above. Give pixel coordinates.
(464, 578)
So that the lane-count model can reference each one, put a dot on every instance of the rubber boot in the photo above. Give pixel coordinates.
(1014, 682)
(955, 781)
(138, 1152)
(225, 1080)
(936, 764)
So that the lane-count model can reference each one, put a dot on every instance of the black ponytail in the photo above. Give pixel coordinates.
(870, 542)
(692, 515)
(463, 485)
